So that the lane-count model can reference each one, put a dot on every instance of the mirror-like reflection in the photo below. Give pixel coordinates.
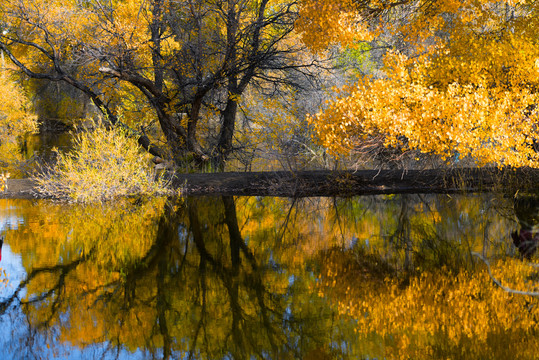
(233, 278)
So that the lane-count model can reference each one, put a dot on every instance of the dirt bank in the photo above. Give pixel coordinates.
(19, 189)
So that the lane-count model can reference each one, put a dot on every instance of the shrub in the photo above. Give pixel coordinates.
(104, 164)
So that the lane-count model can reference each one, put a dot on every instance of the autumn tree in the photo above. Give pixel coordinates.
(187, 60)
(459, 78)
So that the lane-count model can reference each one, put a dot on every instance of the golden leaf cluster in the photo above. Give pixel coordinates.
(460, 81)
(16, 119)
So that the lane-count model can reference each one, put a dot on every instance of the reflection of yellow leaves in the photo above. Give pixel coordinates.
(314, 226)
(438, 309)
(4, 280)
(105, 302)
(114, 236)
(115, 233)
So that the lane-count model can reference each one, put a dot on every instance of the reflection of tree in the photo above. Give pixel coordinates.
(437, 314)
(241, 330)
(187, 284)
(258, 295)
(236, 278)
(59, 271)
(445, 305)
(413, 231)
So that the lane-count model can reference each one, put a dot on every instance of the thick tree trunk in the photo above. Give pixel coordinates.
(224, 145)
(236, 85)
(192, 123)
(226, 134)
(174, 133)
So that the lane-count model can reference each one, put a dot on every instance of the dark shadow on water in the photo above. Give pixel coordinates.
(526, 238)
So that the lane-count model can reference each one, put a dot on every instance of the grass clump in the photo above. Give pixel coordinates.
(104, 164)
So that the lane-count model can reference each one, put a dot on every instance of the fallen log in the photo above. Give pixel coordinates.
(338, 183)
(361, 182)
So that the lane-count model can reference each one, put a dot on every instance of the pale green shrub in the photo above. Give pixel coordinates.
(104, 164)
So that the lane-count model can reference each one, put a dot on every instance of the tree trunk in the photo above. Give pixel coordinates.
(224, 146)
(192, 123)
(175, 134)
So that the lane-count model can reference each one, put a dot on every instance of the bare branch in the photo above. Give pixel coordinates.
(499, 283)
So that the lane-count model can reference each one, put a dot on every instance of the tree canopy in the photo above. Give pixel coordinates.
(175, 62)
(459, 77)
(453, 78)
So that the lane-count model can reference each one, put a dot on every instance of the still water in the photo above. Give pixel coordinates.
(386, 277)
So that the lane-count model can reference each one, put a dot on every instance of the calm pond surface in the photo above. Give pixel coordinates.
(386, 277)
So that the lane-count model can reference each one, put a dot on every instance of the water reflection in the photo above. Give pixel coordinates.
(224, 277)
(30, 152)
(41, 145)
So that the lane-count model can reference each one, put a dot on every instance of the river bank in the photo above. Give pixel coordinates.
(336, 183)
(361, 182)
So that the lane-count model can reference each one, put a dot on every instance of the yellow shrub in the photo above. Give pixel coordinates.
(104, 164)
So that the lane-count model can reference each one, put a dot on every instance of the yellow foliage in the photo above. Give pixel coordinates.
(323, 23)
(464, 83)
(104, 164)
(16, 119)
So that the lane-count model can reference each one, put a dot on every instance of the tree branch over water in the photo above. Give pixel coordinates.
(499, 283)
